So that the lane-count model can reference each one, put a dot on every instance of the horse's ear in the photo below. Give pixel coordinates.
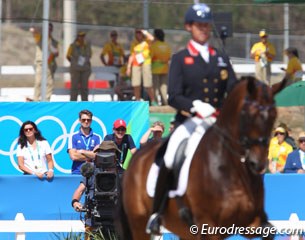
(251, 86)
(277, 87)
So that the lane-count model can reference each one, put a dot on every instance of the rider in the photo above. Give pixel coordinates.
(200, 77)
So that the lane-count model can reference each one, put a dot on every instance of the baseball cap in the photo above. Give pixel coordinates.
(198, 12)
(280, 129)
(113, 33)
(119, 123)
(81, 33)
(263, 33)
(302, 136)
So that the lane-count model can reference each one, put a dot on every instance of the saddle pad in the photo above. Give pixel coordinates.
(184, 172)
(182, 182)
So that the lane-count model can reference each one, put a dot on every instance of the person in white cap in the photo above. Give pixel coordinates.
(263, 53)
(278, 151)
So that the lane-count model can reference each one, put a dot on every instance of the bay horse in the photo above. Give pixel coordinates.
(225, 185)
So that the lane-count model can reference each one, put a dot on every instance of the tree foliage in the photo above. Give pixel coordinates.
(166, 14)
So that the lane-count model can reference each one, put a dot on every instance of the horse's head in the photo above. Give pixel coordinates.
(253, 117)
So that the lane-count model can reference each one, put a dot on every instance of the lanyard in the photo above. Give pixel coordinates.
(86, 143)
(32, 154)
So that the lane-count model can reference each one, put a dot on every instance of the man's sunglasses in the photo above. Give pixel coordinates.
(86, 120)
(121, 129)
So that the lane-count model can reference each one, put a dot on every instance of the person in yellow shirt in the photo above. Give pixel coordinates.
(79, 54)
(294, 69)
(139, 65)
(160, 55)
(263, 53)
(52, 55)
(278, 151)
(113, 53)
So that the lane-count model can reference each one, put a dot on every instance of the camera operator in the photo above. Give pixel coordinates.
(99, 199)
(123, 141)
(89, 182)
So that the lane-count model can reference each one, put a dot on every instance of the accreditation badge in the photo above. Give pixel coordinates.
(224, 74)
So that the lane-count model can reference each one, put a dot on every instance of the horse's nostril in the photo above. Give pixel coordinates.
(254, 166)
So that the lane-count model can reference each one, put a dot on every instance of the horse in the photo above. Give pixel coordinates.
(225, 184)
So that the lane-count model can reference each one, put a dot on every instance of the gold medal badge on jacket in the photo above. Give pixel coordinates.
(224, 74)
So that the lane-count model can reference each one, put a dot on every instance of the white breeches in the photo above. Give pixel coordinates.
(193, 128)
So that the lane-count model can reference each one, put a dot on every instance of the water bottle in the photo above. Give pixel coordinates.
(274, 162)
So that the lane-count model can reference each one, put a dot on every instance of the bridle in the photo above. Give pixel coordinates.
(246, 142)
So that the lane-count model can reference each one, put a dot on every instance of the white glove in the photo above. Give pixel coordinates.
(202, 108)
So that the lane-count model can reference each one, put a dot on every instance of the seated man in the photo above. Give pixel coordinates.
(295, 162)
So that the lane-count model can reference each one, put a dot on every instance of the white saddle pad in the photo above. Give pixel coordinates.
(184, 172)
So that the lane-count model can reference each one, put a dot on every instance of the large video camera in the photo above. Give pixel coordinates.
(102, 186)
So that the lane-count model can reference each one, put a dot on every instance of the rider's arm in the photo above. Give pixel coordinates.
(176, 88)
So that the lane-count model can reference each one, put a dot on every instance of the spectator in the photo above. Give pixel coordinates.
(295, 162)
(294, 69)
(160, 55)
(263, 53)
(288, 138)
(113, 51)
(33, 152)
(122, 140)
(200, 76)
(79, 54)
(278, 151)
(139, 65)
(123, 88)
(83, 142)
(156, 130)
(171, 126)
(52, 55)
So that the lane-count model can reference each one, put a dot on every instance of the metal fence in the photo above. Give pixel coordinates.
(18, 48)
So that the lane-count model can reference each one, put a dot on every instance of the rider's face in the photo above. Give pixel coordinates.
(200, 31)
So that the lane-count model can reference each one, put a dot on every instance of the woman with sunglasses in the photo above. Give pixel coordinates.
(278, 151)
(33, 152)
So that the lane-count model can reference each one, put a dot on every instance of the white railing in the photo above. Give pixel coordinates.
(20, 226)
(30, 70)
